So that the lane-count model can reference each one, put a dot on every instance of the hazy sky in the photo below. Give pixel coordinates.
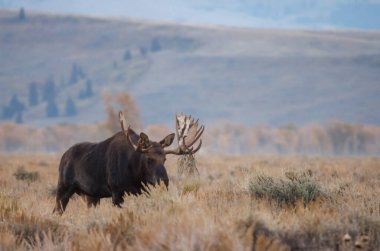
(253, 13)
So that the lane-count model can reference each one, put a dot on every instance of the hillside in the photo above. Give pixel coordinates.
(242, 13)
(249, 76)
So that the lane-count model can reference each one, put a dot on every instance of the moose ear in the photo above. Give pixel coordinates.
(144, 137)
(168, 140)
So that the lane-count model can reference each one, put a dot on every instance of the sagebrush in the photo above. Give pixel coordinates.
(286, 192)
(217, 210)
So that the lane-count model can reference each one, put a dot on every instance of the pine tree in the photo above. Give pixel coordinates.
(33, 94)
(21, 14)
(155, 46)
(87, 92)
(7, 113)
(77, 74)
(70, 108)
(49, 90)
(74, 77)
(19, 119)
(143, 51)
(15, 106)
(81, 73)
(52, 108)
(127, 55)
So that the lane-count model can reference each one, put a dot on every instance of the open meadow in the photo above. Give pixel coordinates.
(236, 203)
(278, 104)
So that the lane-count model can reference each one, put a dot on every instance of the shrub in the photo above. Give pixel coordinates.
(31, 229)
(287, 192)
(22, 174)
(26, 229)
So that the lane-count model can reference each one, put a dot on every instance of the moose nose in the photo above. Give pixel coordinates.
(162, 175)
(152, 181)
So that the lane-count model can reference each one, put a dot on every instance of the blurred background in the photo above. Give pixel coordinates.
(289, 77)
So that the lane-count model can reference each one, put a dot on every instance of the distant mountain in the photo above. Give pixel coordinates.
(351, 14)
(249, 76)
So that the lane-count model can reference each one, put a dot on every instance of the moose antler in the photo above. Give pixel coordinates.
(143, 143)
(187, 134)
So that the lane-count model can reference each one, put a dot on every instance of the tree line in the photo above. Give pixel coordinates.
(335, 138)
(47, 93)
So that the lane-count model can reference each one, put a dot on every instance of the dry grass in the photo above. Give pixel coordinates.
(215, 211)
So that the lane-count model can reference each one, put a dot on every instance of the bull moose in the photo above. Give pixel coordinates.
(124, 163)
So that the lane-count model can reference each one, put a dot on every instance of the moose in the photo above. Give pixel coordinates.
(124, 163)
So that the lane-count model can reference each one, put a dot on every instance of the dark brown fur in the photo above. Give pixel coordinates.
(109, 169)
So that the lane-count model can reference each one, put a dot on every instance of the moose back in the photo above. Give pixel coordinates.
(123, 163)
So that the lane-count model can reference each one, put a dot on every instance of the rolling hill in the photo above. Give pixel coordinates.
(249, 76)
(312, 14)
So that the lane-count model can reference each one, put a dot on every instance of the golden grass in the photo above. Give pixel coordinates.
(214, 211)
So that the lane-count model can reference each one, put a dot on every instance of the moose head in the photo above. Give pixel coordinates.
(155, 152)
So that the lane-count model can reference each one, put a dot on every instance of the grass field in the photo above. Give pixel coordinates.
(232, 205)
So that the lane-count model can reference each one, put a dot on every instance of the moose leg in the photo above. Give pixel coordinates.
(92, 201)
(117, 198)
(63, 195)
